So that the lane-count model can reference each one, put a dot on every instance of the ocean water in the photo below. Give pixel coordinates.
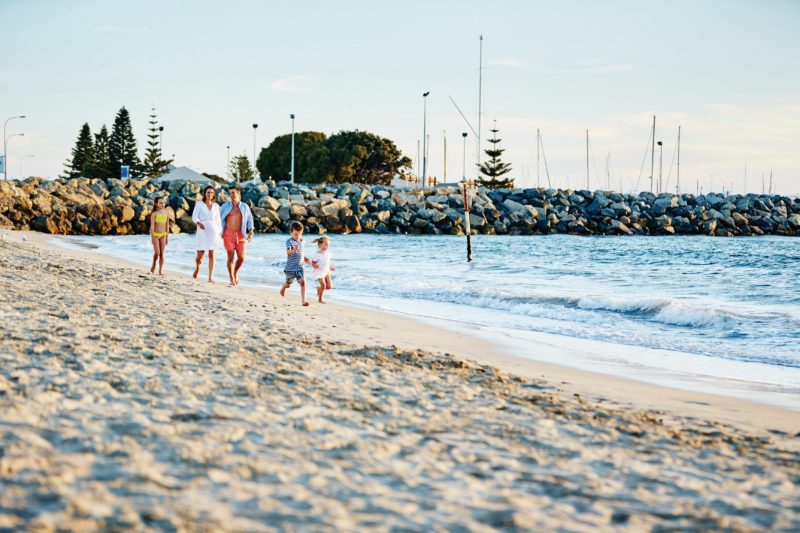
(708, 314)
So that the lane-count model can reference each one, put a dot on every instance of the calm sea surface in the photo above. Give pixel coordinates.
(713, 314)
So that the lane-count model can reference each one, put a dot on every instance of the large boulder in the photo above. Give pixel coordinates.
(663, 203)
(186, 224)
(269, 202)
(620, 227)
(55, 224)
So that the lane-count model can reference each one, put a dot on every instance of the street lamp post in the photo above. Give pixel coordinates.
(255, 127)
(660, 166)
(160, 138)
(291, 172)
(5, 145)
(424, 137)
(464, 157)
(228, 166)
(21, 159)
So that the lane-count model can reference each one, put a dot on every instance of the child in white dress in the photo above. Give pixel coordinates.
(322, 267)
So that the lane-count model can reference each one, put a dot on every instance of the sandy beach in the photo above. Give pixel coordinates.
(137, 402)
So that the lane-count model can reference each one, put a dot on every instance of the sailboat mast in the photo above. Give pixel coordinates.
(678, 186)
(538, 182)
(444, 177)
(587, 160)
(418, 161)
(653, 154)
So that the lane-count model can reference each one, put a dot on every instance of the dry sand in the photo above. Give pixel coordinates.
(129, 401)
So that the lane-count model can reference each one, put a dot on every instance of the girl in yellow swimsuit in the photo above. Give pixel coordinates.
(159, 234)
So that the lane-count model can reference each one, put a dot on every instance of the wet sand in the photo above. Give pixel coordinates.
(132, 401)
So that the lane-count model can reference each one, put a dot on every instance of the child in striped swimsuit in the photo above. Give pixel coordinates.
(159, 234)
(294, 261)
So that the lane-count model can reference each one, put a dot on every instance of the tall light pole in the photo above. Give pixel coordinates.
(292, 167)
(5, 145)
(228, 165)
(464, 156)
(255, 127)
(160, 138)
(660, 166)
(21, 159)
(424, 137)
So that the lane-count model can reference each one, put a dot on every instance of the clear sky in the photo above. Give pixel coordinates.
(727, 71)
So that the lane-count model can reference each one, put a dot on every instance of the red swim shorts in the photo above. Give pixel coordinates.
(233, 240)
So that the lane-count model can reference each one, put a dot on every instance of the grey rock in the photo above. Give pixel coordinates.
(620, 227)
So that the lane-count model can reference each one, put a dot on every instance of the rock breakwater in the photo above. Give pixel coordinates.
(114, 207)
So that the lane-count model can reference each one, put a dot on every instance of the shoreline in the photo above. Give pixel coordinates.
(409, 332)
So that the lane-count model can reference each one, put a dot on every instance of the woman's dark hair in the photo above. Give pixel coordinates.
(209, 187)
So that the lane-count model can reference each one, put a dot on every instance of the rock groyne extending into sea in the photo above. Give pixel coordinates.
(114, 207)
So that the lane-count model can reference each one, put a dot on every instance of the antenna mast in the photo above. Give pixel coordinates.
(480, 99)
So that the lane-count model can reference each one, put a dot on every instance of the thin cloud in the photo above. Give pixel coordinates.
(293, 84)
(601, 67)
(511, 62)
(592, 66)
(723, 108)
(110, 28)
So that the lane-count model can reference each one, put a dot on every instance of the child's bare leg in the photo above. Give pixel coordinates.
(320, 290)
(155, 255)
(198, 260)
(210, 265)
(328, 282)
(283, 289)
(302, 283)
(162, 248)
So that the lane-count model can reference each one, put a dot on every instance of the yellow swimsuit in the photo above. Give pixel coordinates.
(159, 219)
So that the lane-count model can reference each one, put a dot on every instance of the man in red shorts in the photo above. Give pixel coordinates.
(237, 224)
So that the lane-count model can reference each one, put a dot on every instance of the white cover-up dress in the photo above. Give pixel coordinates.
(323, 261)
(208, 238)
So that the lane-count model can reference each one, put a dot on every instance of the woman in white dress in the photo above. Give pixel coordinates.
(209, 228)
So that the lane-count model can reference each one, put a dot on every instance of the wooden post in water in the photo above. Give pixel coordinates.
(467, 184)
